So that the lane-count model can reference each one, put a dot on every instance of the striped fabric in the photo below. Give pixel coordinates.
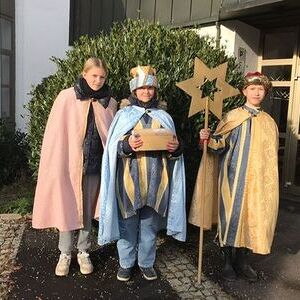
(248, 182)
(142, 179)
(232, 180)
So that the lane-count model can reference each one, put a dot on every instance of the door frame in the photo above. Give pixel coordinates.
(287, 187)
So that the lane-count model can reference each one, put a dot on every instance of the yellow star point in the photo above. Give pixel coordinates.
(192, 87)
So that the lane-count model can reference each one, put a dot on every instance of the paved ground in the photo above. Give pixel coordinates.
(28, 272)
(11, 231)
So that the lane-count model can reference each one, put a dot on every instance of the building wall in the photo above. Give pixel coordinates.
(90, 16)
(247, 38)
(42, 31)
(240, 40)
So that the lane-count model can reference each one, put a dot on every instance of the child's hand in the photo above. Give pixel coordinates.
(204, 134)
(173, 145)
(135, 142)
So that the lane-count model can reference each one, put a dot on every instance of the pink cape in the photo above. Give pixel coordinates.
(58, 197)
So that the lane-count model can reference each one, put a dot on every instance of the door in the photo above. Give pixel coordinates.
(279, 60)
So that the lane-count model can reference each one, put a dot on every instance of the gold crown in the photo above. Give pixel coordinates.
(257, 78)
(145, 70)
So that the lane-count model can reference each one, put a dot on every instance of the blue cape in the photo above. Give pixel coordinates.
(124, 121)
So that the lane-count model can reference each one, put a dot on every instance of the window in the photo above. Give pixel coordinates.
(7, 65)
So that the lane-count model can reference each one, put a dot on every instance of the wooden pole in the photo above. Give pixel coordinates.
(204, 155)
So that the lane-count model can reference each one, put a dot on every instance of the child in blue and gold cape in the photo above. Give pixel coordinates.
(141, 191)
(245, 180)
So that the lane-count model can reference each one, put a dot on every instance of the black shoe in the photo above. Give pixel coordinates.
(124, 274)
(247, 272)
(242, 267)
(228, 272)
(149, 273)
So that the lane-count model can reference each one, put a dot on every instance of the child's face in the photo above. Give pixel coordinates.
(145, 93)
(95, 78)
(254, 94)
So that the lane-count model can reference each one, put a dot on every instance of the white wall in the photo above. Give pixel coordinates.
(246, 37)
(42, 31)
(234, 36)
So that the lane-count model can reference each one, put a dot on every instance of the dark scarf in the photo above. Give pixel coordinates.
(84, 92)
(153, 103)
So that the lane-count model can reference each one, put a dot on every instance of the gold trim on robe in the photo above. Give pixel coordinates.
(260, 197)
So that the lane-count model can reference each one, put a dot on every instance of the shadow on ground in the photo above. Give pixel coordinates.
(35, 278)
(279, 272)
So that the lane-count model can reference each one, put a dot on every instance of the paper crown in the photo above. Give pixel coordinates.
(142, 76)
(257, 78)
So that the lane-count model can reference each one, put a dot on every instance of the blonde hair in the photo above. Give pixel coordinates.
(94, 62)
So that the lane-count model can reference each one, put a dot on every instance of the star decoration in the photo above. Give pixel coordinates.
(193, 85)
(209, 88)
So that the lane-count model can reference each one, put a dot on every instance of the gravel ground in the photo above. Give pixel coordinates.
(11, 231)
(27, 268)
(30, 273)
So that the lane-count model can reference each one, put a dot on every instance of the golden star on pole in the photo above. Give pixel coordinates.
(192, 87)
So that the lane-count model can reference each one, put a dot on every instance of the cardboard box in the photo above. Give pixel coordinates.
(154, 139)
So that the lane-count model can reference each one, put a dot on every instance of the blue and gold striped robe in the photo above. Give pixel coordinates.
(247, 192)
(143, 178)
(124, 121)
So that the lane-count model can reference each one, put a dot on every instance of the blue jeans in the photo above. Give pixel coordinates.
(138, 238)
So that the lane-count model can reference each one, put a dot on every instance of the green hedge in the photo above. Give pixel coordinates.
(170, 51)
(13, 154)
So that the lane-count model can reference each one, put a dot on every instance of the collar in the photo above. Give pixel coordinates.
(84, 92)
(153, 103)
(251, 110)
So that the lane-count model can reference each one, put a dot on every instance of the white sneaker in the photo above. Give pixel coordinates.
(63, 265)
(84, 261)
